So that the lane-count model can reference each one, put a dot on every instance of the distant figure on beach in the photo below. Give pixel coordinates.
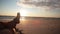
(11, 25)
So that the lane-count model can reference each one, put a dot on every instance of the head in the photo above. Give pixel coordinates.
(18, 15)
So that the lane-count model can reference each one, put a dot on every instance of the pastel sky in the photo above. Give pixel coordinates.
(34, 8)
(8, 7)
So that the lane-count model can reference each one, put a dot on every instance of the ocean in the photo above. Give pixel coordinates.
(36, 25)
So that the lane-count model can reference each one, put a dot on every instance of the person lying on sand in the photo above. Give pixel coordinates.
(11, 25)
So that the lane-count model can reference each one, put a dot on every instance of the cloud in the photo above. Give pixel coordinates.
(39, 3)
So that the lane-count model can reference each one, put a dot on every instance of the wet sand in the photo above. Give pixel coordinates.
(40, 26)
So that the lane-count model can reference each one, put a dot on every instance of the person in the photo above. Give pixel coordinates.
(12, 24)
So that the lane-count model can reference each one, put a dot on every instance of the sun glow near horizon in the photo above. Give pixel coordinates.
(23, 12)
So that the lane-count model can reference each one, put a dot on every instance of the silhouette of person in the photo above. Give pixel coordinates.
(12, 24)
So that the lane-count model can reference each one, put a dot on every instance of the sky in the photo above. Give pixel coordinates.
(8, 7)
(32, 8)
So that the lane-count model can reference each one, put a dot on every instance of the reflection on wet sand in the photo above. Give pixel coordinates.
(40, 26)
